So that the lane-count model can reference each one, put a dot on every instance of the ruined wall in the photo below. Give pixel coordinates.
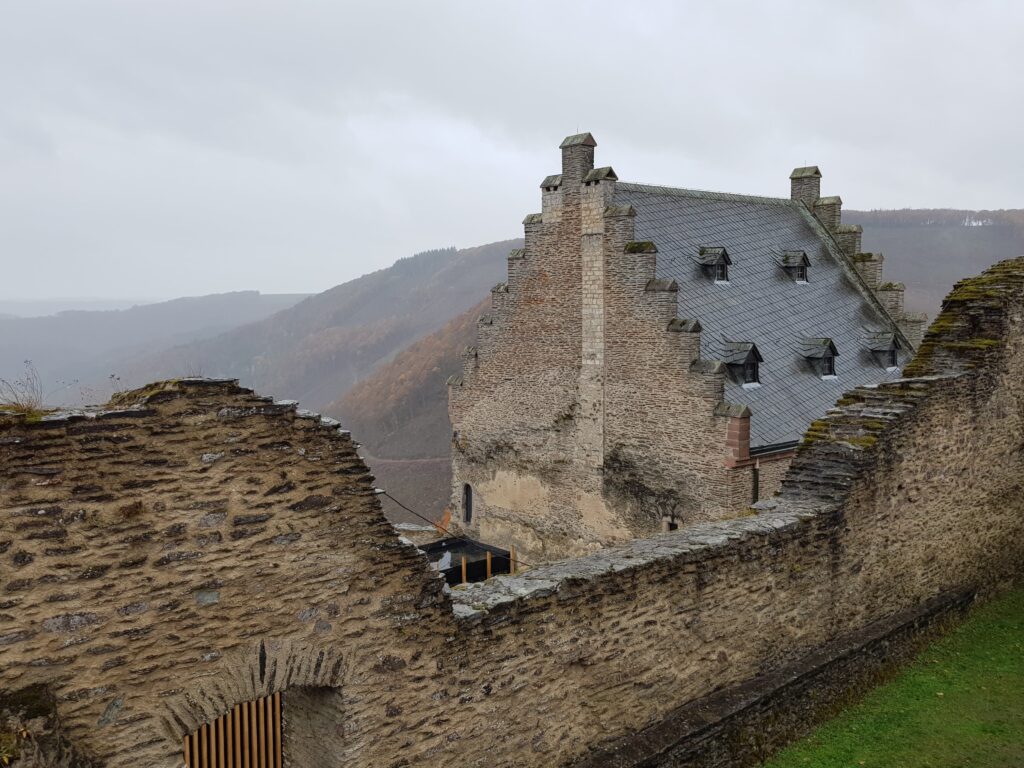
(190, 547)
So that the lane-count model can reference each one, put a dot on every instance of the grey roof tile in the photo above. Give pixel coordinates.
(761, 304)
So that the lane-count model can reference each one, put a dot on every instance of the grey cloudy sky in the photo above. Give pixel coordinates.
(156, 148)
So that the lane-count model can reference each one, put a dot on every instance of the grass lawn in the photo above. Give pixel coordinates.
(961, 703)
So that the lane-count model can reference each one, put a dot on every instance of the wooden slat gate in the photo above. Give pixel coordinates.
(249, 736)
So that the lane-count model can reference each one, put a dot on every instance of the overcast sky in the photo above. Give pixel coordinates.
(158, 148)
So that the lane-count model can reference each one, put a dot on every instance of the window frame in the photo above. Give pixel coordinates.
(828, 365)
(721, 272)
(751, 365)
(801, 273)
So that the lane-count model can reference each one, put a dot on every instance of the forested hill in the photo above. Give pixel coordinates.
(75, 351)
(930, 249)
(315, 351)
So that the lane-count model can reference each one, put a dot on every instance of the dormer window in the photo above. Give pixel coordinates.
(885, 347)
(744, 362)
(715, 261)
(795, 263)
(820, 353)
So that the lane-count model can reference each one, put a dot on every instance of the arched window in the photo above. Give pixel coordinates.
(467, 503)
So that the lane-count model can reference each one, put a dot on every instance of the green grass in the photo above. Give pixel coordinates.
(961, 703)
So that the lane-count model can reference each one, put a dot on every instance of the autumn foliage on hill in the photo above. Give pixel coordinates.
(401, 410)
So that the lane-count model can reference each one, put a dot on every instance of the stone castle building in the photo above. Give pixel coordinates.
(656, 354)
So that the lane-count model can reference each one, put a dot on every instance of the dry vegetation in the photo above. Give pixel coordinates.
(23, 395)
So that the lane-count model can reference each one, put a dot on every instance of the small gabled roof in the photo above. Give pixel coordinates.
(584, 139)
(554, 180)
(739, 352)
(794, 259)
(814, 347)
(709, 256)
(806, 171)
(882, 341)
(600, 174)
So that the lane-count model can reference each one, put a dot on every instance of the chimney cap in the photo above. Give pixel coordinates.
(808, 171)
(833, 200)
(579, 139)
(600, 174)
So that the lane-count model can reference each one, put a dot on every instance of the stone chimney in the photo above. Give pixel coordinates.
(577, 159)
(829, 211)
(805, 184)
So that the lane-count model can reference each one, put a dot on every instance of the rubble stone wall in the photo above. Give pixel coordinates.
(189, 547)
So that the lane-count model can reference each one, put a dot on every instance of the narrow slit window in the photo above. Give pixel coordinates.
(721, 272)
(893, 358)
(801, 274)
(467, 503)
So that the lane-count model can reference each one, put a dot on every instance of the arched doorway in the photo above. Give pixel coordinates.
(248, 736)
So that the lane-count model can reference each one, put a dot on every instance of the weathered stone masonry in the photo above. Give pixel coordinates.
(590, 412)
(194, 546)
(190, 547)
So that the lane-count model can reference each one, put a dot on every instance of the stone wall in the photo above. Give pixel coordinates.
(189, 547)
(904, 493)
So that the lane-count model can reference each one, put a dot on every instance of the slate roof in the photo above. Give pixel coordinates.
(761, 304)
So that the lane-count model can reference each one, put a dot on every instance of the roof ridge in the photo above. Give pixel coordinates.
(706, 194)
(855, 276)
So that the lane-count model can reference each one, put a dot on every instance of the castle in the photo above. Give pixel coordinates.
(196, 575)
(656, 354)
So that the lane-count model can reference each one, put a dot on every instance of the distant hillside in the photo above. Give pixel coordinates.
(43, 307)
(316, 350)
(86, 346)
(929, 250)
